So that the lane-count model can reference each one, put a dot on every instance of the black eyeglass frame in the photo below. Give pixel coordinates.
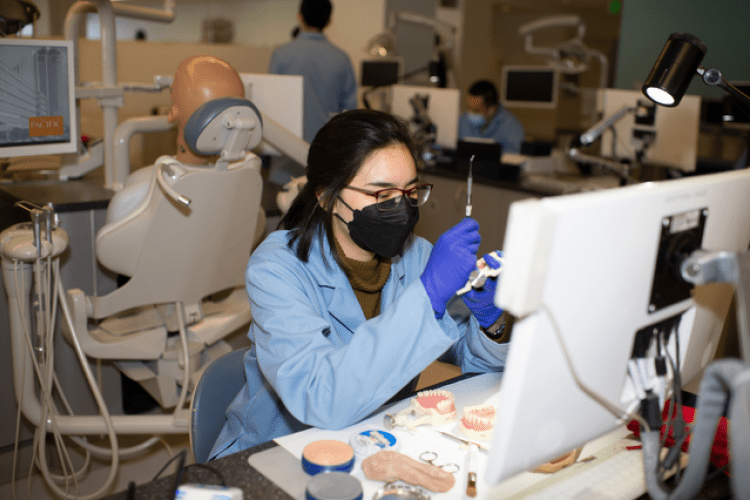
(405, 193)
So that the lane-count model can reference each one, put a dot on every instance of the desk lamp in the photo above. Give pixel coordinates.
(674, 68)
(724, 379)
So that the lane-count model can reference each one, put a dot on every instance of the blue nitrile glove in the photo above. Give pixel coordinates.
(452, 259)
(482, 301)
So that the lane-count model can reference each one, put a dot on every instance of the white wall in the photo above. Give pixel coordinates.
(263, 23)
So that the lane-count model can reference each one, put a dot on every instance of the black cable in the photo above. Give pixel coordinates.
(674, 420)
(208, 468)
(178, 456)
(680, 435)
(131, 490)
(182, 469)
(180, 472)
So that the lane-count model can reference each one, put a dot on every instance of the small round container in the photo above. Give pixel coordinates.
(367, 443)
(327, 455)
(334, 486)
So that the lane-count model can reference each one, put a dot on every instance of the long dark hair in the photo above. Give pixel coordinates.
(336, 154)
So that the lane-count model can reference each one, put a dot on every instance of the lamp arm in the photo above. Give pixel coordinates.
(411, 17)
(599, 127)
(527, 31)
(713, 77)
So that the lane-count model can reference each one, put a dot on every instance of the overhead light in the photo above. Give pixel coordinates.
(383, 44)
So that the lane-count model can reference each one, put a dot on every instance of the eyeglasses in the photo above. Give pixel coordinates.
(388, 199)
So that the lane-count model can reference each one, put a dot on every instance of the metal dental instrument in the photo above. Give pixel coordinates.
(481, 446)
(429, 457)
(469, 181)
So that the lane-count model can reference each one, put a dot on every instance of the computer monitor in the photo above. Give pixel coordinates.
(529, 87)
(672, 133)
(37, 98)
(479, 148)
(593, 270)
(442, 108)
(280, 97)
(735, 115)
(382, 72)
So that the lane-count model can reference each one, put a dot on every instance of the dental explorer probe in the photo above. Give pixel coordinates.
(469, 181)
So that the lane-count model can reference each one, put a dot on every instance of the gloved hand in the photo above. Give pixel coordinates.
(481, 301)
(452, 259)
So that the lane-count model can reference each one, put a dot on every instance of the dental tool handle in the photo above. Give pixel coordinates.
(471, 467)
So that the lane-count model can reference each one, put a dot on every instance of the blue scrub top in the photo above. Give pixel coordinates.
(329, 83)
(504, 128)
(316, 361)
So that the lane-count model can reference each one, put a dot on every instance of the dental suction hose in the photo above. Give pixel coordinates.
(23, 246)
(723, 380)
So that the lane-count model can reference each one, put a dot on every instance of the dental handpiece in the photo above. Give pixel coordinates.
(469, 181)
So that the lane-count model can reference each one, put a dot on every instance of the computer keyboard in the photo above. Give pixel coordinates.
(615, 476)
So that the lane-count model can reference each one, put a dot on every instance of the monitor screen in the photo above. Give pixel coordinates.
(590, 275)
(381, 72)
(529, 87)
(735, 115)
(37, 98)
(670, 135)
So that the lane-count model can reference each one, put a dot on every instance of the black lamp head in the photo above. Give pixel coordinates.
(674, 69)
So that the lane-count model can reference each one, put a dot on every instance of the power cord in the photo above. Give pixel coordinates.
(182, 470)
(604, 402)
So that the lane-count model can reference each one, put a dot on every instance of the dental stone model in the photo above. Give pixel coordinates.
(433, 407)
(478, 421)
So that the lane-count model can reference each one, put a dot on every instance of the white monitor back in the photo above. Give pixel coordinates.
(278, 96)
(582, 266)
(676, 129)
(443, 108)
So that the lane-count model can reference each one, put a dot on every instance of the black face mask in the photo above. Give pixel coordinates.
(382, 232)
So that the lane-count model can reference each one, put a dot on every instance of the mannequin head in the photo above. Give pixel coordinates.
(199, 79)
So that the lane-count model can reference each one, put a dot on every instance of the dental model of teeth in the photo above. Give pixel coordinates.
(478, 421)
(433, 407)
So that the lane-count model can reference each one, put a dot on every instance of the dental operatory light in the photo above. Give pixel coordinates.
(385, 44)
(382, 45)
(679, 61)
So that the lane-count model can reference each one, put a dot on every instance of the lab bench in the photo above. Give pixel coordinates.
(273, 470)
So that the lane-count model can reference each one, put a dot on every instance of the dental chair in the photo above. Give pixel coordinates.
(184, 248)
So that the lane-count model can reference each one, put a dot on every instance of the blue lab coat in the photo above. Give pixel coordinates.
(504, 128)
(316, 361)
(328, 78)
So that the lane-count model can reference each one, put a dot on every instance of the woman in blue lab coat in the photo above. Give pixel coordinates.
(348, 305)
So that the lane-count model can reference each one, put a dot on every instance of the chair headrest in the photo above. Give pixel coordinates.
(228, 125)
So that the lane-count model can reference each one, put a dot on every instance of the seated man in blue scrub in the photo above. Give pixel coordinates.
(488, 119)
(329, 83)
